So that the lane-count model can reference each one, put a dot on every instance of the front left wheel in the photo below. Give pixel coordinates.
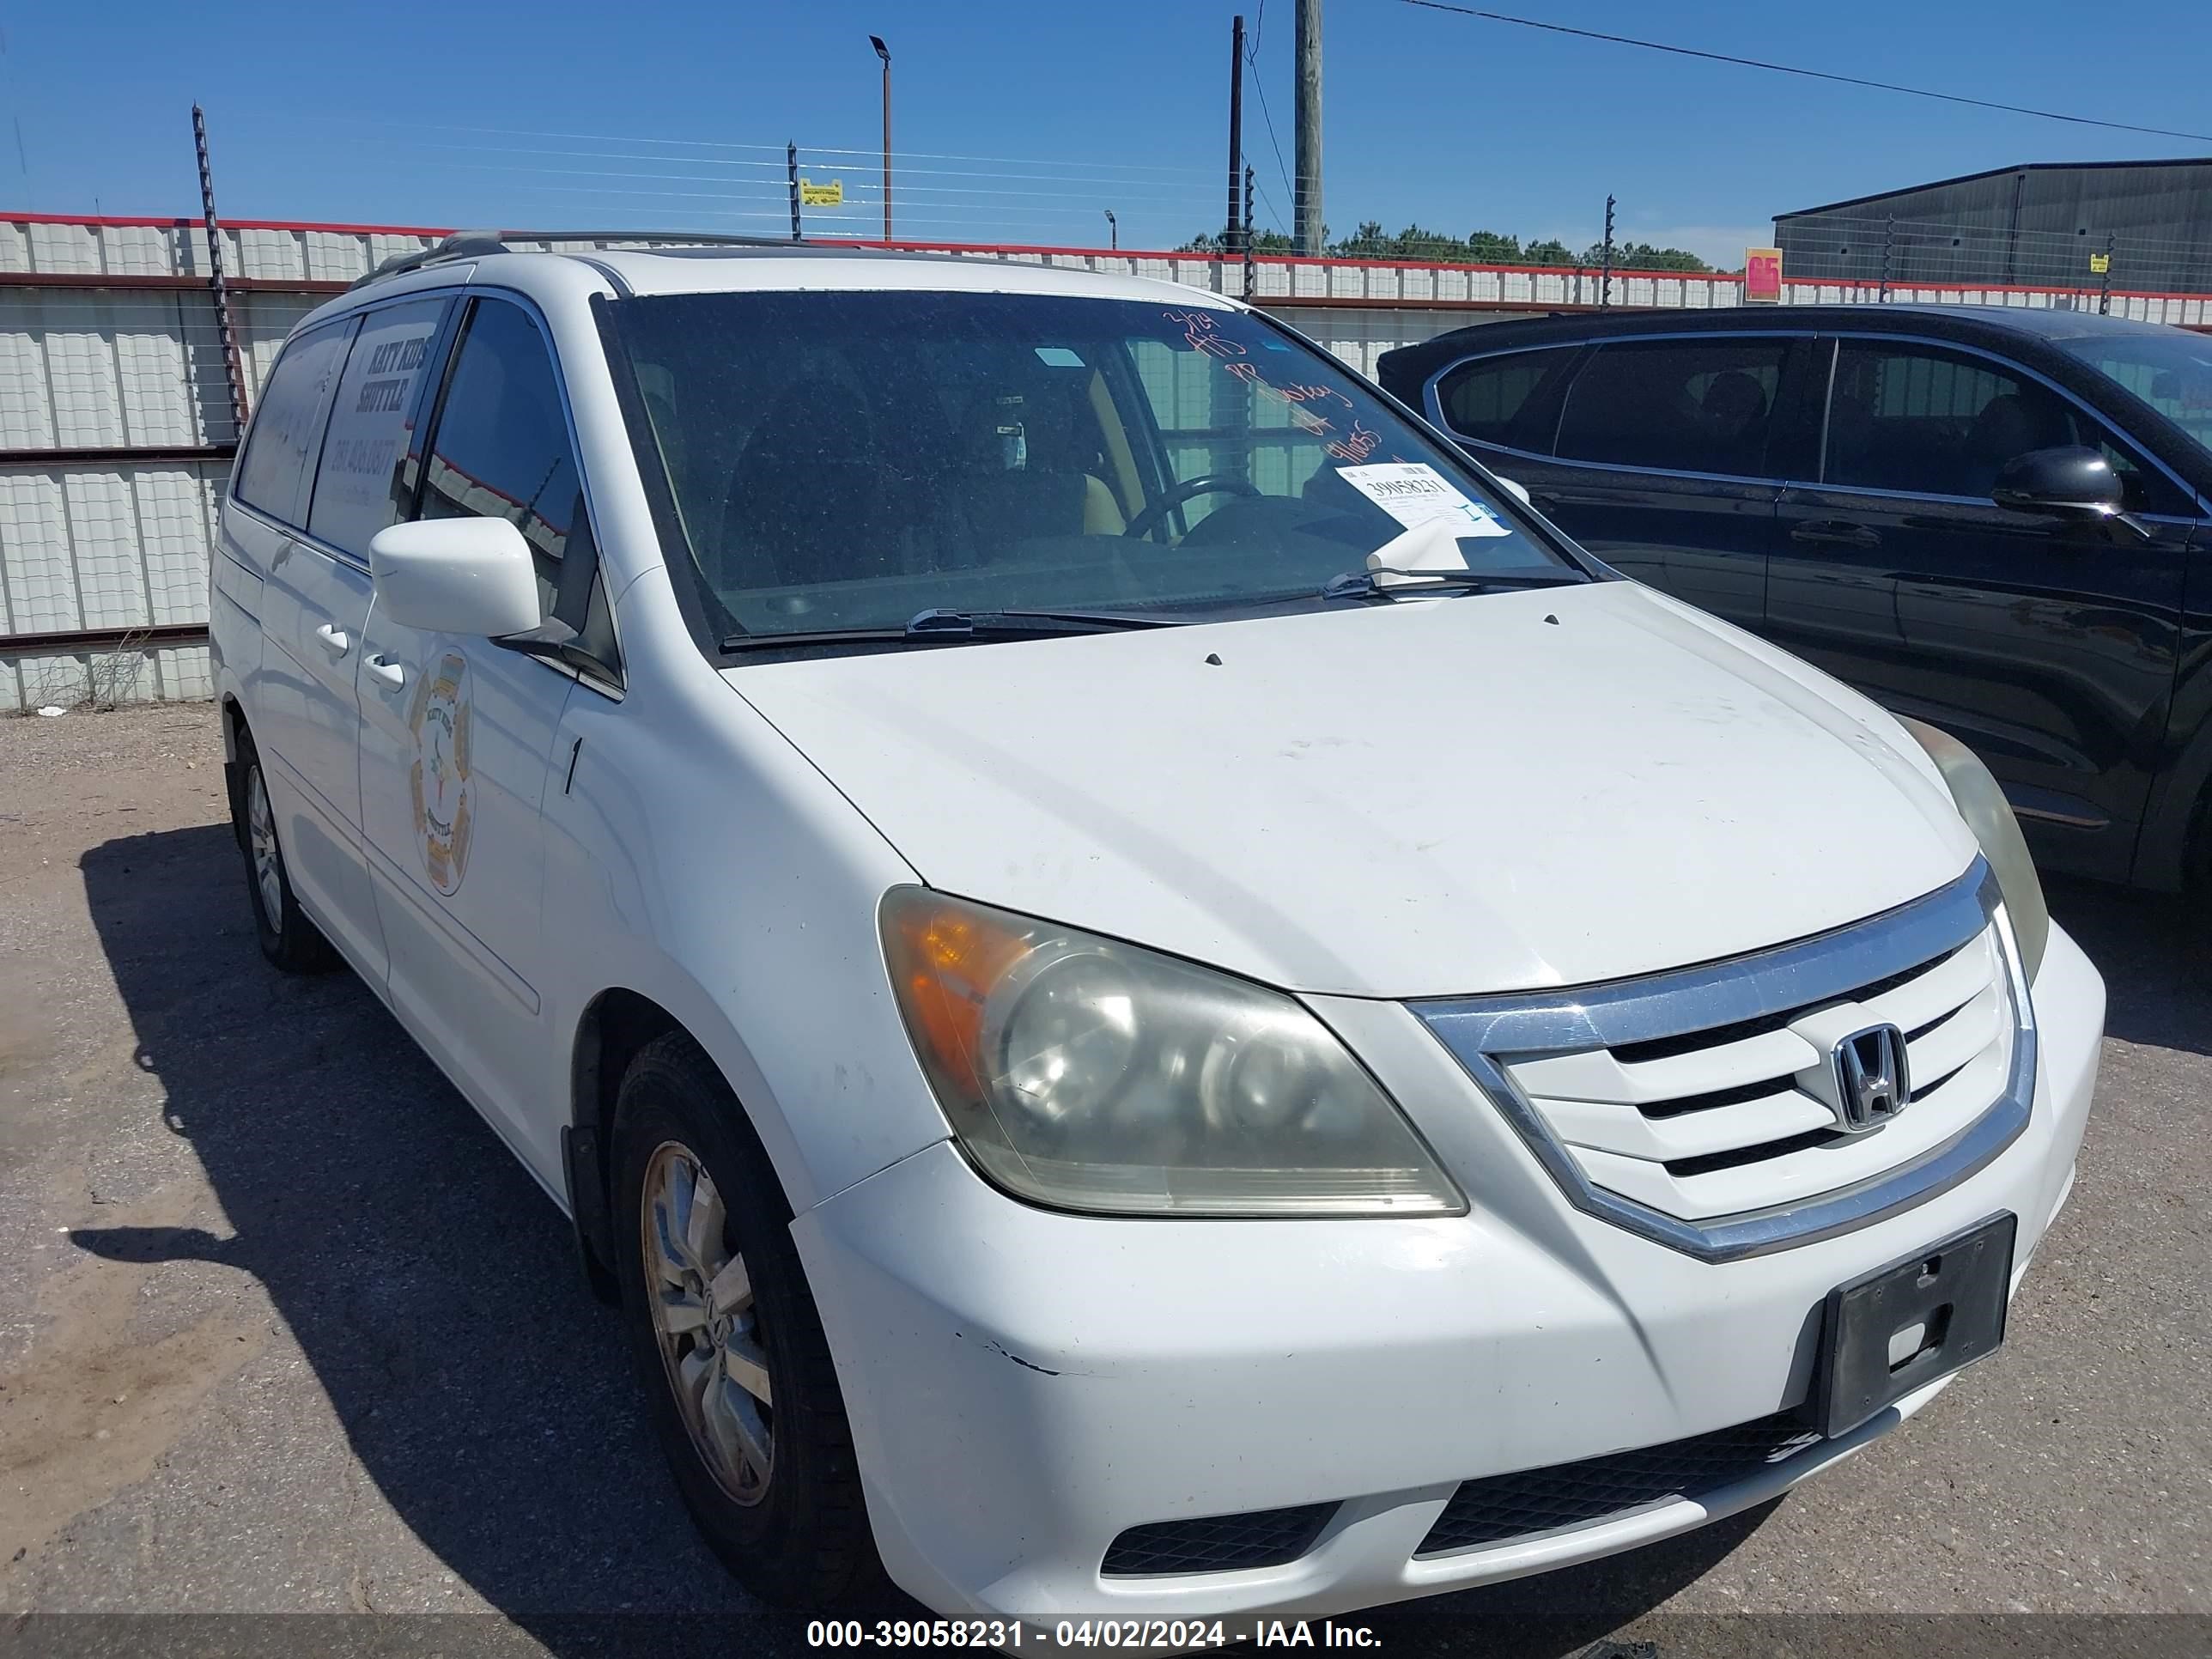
(743, 1397)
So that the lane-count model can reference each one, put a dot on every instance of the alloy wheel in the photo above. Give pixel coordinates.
(261, 842)
(701, 1299)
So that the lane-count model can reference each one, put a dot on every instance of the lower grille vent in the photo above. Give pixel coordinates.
(1502, 1506)
(1220, 1543)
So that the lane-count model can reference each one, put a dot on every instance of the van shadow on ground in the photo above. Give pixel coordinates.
(432, 1287)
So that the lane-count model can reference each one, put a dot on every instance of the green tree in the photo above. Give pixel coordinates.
(1418, 242)
(1415, 241)
(1367, 241)
(1643, 256)
(1263, 241)
(1480, 247)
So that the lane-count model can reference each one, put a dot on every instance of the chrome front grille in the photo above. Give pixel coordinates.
(1752, 1120)
(1705, 1106)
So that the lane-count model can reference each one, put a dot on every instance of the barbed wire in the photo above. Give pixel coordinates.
(1906, 251)
(1119, 168)
(1963, 228)
(863, 184)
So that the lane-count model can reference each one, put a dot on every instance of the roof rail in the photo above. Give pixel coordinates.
(479, 244)
(461, 245)
(694, 237)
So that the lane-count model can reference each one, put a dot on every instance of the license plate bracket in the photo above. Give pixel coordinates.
(1944, 1305)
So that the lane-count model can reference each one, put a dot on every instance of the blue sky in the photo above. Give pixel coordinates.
(1023, 121)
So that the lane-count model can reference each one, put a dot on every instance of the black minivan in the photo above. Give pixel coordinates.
(1993, 520)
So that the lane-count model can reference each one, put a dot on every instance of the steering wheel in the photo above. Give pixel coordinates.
(1212, 483)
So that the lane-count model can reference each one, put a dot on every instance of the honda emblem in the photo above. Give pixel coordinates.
(1871, 1083)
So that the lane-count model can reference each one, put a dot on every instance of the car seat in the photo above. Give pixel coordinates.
(1052, 489)
(2010, 425)
(1734, 410)
(813, 497)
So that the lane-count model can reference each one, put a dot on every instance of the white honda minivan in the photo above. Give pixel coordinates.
(1156, 1001)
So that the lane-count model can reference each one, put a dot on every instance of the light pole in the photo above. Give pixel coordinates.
(884, 52)
(1113, 231)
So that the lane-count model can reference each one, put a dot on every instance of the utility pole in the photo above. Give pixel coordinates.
(791, 171)
(1306, 207)
(1888, 255)
(884, 52)
(2105, 281)
(232, 374)
(1236, 127)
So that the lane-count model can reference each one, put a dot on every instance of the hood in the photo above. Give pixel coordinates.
(1492, 792)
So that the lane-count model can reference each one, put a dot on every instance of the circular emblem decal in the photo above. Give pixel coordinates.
(440, 773)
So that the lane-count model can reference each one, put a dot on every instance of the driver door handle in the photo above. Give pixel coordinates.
(390, 675)
(1837, 532)
(335, 640)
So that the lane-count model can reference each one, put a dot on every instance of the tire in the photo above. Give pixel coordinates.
(774, 1487)
(288, 940)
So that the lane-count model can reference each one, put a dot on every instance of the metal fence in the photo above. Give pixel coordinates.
(116, 431)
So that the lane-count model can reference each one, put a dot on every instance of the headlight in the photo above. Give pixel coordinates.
(1088, 1074)
(1989, 815)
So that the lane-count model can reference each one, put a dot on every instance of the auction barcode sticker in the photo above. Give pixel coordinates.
(1416, 493)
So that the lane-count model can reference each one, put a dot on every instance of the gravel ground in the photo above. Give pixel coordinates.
(287, 1331)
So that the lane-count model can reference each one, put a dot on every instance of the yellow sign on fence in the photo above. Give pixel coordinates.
(2099, 264)
(829, 194)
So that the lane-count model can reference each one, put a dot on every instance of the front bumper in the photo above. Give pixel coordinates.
(1023, 1386)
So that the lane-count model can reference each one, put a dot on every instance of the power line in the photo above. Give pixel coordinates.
(716, 143)
(1252, 57)
(1274, 213)
(1809, 74)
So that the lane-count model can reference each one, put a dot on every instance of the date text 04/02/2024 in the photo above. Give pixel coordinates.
(1162, 1635)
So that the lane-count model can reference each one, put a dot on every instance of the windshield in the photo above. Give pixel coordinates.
(848, 460)
(2171, 372)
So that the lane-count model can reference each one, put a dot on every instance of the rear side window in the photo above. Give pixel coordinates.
(1675, 405)
(1512, 400)
(356, 488)
(272, 472)
(501, 448)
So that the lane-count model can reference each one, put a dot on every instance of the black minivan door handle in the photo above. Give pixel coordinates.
(1837, 531)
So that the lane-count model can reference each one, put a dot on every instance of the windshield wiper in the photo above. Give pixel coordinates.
(1414, 584)
(934, 626)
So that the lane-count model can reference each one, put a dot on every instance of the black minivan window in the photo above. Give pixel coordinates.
(1675, 405)
(502, 448)
(1926, 421)
(2169, 370)
(287, 424)
(1512, 400)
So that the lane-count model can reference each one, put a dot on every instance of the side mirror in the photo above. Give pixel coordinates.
(471, 576)
(2068, 482)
